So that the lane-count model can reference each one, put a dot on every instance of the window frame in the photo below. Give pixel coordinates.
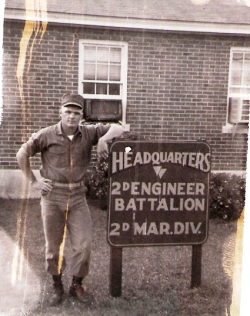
(233, 50)
(123, 79)
(241, 127)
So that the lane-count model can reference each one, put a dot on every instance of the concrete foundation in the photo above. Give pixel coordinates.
(13, 185)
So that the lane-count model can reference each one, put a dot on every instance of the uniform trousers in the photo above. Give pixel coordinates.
(64, 210)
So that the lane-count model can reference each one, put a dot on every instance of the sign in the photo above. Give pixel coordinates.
(158, 193)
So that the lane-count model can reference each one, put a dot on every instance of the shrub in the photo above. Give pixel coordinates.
(97, 181)
(227, 196)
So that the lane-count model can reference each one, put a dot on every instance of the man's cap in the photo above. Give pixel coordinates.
(73, 99)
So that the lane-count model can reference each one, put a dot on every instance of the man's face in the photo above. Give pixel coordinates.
(70, 116)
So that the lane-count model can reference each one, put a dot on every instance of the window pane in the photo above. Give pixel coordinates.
(114, 89)
(101, 88)
(237, 60)
(89, 88)
(89, 72)
(245, 90)
(235, 90)
(115, 55)
(102, 71)
(246, 70)
(236, 78)
(90, 53)
(115, 73)
(102, 54)
(247, 61)
(246, 77)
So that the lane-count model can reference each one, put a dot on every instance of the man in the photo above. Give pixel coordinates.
(65, 155)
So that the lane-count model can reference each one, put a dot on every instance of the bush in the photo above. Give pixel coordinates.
(227, 196)
(97, 181)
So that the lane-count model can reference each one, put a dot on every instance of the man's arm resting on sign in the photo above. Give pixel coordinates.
(102, 146)
(24, 164)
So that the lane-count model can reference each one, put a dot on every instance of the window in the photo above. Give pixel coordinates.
(239, 87)
(103, 72)
(239, 83)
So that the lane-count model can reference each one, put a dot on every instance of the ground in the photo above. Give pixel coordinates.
(155, 281)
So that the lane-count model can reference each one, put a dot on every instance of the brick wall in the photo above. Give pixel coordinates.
(177, 87)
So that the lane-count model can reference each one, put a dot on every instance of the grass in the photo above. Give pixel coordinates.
(155, 280)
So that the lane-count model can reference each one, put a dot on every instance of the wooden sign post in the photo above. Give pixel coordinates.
(158, 196)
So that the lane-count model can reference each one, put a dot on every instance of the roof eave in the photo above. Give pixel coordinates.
(132, 23)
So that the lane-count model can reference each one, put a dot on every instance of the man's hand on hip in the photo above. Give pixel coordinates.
(43, 184)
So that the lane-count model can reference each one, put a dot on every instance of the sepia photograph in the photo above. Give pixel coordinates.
(123, 157)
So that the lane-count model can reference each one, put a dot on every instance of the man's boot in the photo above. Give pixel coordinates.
(56, 298)
(77, 291)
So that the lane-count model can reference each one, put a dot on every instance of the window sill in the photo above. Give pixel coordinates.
(235, 129)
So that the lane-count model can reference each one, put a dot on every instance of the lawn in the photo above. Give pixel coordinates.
(155, 281)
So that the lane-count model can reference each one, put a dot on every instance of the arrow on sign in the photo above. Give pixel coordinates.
(159, 171)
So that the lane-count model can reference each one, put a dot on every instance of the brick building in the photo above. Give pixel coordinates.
(175, 70)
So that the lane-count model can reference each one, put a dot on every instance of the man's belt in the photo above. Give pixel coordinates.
(68, 185)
